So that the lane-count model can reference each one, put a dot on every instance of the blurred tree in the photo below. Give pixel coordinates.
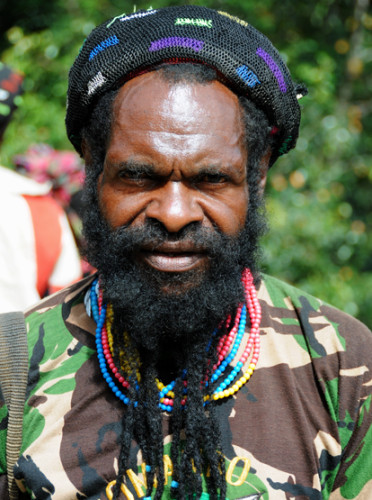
(319, 197)
(36, 15)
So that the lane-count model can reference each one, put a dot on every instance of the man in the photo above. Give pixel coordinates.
(179, 113)
(38, 254)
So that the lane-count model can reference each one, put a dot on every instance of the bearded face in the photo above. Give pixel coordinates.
(172, 218)
(152, 304)
(169, 223)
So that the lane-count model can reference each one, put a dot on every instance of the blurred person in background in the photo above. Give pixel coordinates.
(64, 170)
(38, 254)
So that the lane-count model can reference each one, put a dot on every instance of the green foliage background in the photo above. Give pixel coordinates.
(319, 196)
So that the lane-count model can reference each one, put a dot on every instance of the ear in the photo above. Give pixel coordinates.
(264, 168)
(87, 155)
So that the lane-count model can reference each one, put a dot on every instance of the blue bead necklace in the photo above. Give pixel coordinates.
(109, 372)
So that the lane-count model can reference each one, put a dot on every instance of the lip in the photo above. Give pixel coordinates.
(173, 257)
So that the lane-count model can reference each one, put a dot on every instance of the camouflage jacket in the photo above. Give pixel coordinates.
(301, 428)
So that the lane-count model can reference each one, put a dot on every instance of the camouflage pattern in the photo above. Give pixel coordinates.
(301, 428)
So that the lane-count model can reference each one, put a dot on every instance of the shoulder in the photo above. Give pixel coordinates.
(326, 328)
(68, 295)
(60, 321)
(281, 295)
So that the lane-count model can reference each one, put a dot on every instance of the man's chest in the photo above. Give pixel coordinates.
(72, 439)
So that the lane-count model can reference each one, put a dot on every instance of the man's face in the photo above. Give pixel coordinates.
(177, 156)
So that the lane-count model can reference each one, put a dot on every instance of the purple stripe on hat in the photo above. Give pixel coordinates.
(176, 41)
(273, 67)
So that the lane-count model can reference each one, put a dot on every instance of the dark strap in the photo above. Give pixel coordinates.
(13, 381)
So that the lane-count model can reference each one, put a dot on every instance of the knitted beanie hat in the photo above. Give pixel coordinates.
(124, 46)
(10, 91)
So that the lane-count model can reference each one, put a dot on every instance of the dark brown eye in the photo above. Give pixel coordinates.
(136, 176)
(212, 178)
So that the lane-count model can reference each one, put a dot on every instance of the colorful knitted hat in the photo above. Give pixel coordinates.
(10, 90)
(125, 45)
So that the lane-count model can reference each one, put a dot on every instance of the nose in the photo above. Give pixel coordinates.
(175, 206)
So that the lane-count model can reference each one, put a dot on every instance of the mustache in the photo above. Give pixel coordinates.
(153, 235)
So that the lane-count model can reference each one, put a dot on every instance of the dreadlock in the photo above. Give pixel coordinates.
(196, 443)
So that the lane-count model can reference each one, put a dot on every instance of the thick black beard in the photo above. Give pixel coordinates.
(150, 315)
(171, 331)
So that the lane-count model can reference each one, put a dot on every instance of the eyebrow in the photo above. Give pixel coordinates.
(134, 166)
(150, 169)
(217, 169)
(228, 171)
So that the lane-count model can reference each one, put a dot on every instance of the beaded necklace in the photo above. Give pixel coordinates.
(122, 372)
